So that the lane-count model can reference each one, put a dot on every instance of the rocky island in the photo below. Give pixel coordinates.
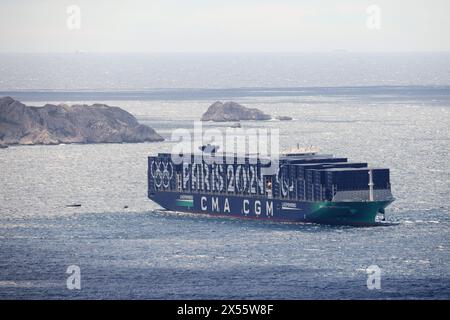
(232, 111)
(54, 124)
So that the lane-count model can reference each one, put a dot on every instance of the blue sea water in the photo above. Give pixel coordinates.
(145, 252)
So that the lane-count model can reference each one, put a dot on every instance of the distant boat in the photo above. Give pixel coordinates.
(236, 125)
(75, 205)
(284, 118)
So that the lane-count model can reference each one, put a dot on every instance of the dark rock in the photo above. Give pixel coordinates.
(284, 118)
(54, 124)
(232, 111)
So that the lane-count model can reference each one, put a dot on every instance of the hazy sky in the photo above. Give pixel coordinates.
(227, 25)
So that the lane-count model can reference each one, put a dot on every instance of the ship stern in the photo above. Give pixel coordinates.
(357, 213)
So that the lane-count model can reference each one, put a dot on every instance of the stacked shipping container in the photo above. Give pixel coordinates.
(304, 178)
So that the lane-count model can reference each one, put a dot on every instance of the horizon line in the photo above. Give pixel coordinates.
(340, 51)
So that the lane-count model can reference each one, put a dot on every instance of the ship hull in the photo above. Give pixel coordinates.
(355, 213)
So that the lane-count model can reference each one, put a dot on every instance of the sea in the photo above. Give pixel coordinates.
(389, 109)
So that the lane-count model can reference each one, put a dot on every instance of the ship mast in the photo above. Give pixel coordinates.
(370, 186)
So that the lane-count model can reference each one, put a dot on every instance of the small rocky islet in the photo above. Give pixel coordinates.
(232, 111)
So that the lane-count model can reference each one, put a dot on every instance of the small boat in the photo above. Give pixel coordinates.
(74, 205)
(284, 118)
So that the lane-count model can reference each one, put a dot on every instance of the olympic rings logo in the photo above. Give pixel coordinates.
(162, 173)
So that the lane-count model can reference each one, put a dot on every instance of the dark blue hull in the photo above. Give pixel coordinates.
(266, 208)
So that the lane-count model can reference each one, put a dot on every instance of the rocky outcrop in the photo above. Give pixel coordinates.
(232, 111)
(54, 124)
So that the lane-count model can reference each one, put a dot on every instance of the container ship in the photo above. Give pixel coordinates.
(304, 186)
